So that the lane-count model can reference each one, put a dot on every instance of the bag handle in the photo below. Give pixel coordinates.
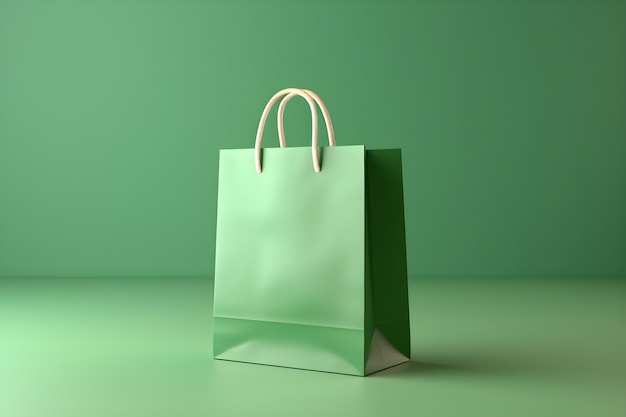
(268, 107)
(323, 108)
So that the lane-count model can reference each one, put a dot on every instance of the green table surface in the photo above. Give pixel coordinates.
(142, 347)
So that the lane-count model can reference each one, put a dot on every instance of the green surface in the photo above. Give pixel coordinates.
(510, 115)
(142, 347)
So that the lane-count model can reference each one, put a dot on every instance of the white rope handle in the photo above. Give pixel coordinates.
(268, 107)
(323, 108)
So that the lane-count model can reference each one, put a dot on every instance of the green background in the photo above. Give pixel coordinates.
(511, 119)
(510, 116)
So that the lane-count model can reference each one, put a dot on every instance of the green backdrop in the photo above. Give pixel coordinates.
(510, 115)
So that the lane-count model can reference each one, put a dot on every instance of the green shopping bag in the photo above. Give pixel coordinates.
(310, 264)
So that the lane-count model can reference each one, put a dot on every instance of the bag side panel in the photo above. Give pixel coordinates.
(387, 251)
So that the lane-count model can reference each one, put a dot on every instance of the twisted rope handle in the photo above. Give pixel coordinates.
(268, 107)
(323, 108)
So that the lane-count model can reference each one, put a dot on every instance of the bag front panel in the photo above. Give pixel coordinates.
(290, 244)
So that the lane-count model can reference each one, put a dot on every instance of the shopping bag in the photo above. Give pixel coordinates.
(310, 260)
